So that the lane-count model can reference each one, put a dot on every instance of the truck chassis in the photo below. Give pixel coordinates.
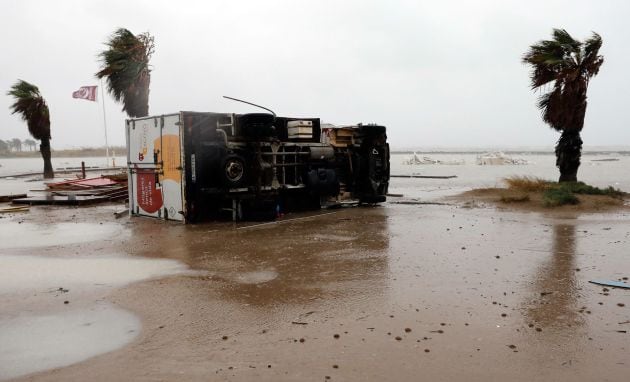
(194, 166)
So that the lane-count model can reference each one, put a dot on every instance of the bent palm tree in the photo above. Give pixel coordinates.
(569, 64)
(125, 65)
(33, 109)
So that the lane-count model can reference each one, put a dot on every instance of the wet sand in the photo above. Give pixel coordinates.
(397, 292)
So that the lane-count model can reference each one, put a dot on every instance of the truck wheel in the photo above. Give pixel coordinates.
(233, 171)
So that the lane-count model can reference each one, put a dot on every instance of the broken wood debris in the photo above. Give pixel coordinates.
(14, 209)
(69, 170)
(77, 192)
(8, 198)
(122, 213)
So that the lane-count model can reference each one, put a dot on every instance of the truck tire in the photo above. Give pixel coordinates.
(233, 171)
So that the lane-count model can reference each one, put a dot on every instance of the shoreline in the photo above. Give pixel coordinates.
(96, 152)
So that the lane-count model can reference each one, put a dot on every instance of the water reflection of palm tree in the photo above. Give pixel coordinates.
(556, 285)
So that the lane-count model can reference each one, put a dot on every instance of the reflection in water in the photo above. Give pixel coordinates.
(330, 255)
(556, 285)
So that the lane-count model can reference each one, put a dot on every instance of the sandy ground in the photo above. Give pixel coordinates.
(397, 292)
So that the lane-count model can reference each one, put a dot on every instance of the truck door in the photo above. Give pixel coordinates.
(170, 158)
(154, 167)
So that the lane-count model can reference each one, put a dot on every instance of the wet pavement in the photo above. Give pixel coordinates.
(397, 292)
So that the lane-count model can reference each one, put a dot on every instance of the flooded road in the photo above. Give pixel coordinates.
(397, 292)
(54, 279)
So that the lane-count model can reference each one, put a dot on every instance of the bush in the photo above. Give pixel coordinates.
(585, 189)
(554, 194)
(527, 184)
(559, 196)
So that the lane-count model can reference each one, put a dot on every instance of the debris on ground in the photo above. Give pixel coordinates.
(80, 191)
(9, 210)
(122, 213)
(616, 284)
(8, 198)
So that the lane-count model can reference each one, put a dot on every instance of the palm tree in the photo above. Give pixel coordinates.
(125, 65)
(569, 64)
(16, 143)
(33, 109)
(32, 145)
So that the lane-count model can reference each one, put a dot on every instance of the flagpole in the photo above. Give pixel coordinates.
(105, 123)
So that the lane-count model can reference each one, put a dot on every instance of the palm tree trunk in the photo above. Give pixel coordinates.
(44, 148)
(568, 153)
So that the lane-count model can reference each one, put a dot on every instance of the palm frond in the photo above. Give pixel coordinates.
(32, 108)
(568, 64)
(592, 60)
(125, 65)
(563, 38)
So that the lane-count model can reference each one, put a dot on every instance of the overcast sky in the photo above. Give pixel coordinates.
(436, 73)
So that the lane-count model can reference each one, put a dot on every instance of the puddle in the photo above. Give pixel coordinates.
(333, 237)
(257, 277)
(29, 235)
(26, 273)
(58, 335)
(36, 343)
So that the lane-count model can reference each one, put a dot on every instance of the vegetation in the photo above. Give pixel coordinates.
(66, 153)
(31, 144)
(527, 184)
(125, 66)
(559, 196)
(4, 147)
(569, 64)
(31, 106)
(554, 194)
(16, 145)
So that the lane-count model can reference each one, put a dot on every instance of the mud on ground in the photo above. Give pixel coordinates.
(397, 292)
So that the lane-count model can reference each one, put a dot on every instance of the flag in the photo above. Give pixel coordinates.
(85, 92)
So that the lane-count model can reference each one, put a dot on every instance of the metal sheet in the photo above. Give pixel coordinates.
(616, 284)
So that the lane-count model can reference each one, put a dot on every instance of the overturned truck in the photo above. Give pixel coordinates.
(192, 166)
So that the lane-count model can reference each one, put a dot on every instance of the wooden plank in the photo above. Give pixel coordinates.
(14, 209)
(8, 198)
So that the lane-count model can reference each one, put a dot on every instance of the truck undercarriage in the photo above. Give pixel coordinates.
(194, 166)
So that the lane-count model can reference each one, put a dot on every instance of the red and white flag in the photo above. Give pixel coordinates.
(85, 92)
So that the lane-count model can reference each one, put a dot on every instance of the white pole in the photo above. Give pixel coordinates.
(105, 124)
